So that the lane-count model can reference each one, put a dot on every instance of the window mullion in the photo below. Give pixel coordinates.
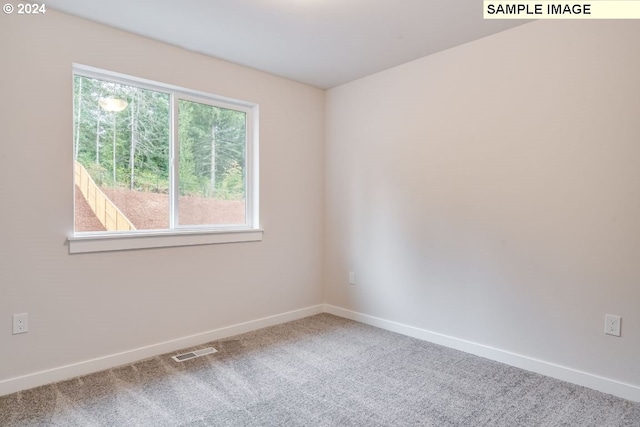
(174, 189)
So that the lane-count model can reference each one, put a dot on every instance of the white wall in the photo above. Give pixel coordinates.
(94, 305)
(491, 193)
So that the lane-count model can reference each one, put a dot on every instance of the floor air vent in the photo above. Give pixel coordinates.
(193, 354)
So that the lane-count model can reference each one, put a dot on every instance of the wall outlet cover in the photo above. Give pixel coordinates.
(20, 323)
(612, 325)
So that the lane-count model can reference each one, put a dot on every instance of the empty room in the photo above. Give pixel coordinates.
(319, 213)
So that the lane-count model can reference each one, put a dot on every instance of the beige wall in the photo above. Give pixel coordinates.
(93, 305)
(491, 193)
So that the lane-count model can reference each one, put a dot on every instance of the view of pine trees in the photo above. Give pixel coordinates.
(130, 148)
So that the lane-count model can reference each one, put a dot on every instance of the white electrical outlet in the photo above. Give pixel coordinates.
(612, 325)
(352, 278)
(20, 323)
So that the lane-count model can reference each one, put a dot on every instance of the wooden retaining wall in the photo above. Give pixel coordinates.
(107, 213)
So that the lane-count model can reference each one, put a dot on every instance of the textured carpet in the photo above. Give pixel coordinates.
(318, 371)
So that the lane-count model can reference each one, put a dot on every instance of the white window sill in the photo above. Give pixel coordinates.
(122, 242)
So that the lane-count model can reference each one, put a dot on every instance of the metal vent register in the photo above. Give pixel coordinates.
(193, 354)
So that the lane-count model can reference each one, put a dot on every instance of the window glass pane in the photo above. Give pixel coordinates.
(121, 152)
(212, 144)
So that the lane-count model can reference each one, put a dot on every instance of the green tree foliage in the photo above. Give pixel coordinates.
(232, 185)
(211, 141)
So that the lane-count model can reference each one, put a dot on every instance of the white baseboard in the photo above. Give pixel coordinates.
(61, 373)
(605, 385)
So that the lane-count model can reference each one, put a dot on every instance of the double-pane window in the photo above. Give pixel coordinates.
(150, 157)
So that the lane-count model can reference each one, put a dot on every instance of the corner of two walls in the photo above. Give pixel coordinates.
(491, 193)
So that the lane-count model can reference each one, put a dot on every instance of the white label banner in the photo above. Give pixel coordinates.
(598, 9)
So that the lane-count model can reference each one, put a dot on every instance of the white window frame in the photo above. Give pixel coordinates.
(176, 235)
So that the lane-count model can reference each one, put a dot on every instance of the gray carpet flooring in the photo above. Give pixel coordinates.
(318, 371)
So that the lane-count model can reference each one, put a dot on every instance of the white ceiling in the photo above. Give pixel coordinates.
(323, 43)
